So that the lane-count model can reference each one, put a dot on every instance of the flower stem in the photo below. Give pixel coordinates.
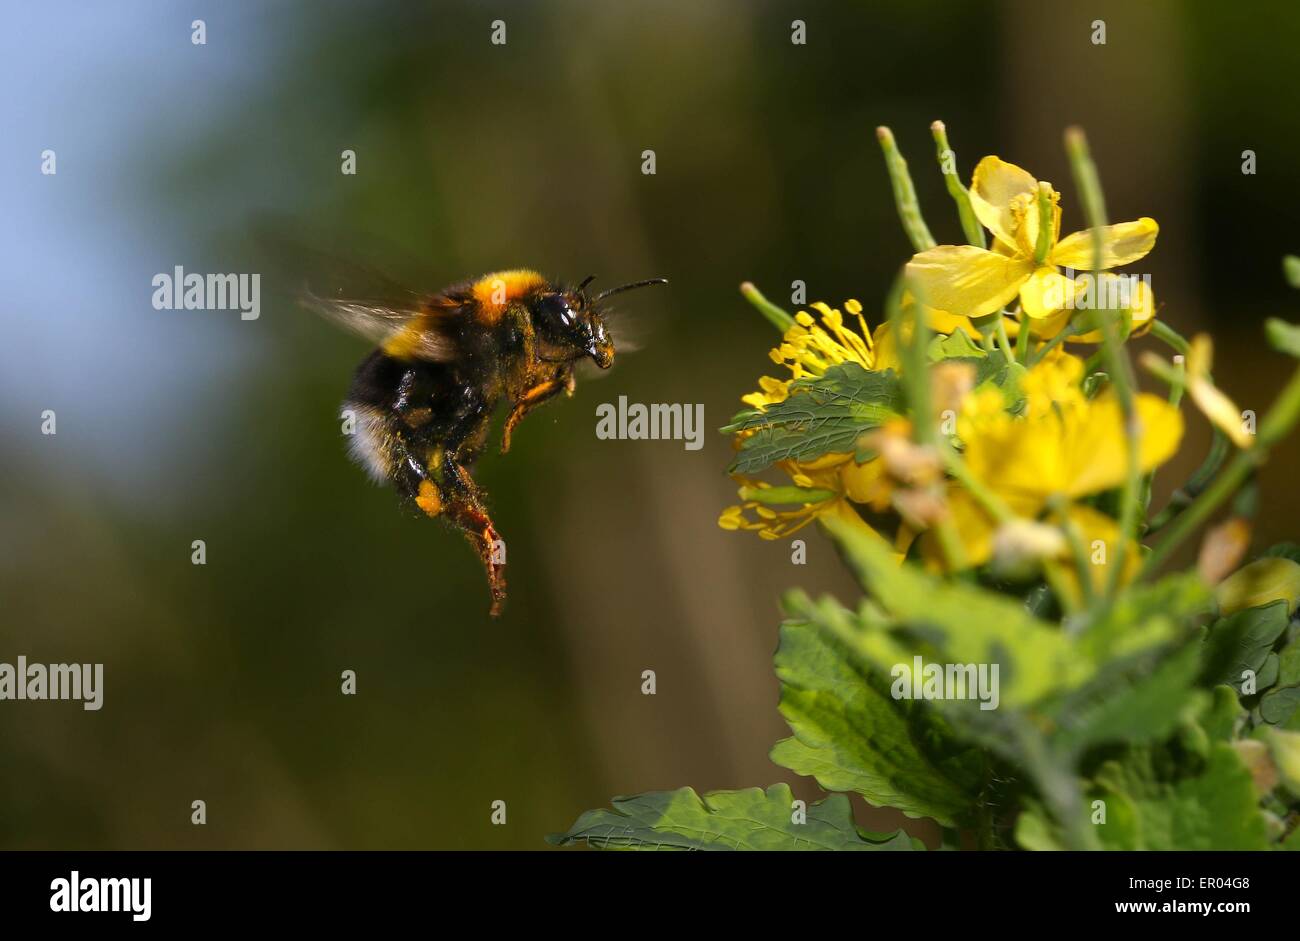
(1116, 357)
(775, 315)
(1023, 340)
(1003, 341)
(1170, 337)
(1067, 332)
(909, 209)
(970, 225)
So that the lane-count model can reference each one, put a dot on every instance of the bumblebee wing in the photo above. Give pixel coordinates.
(411, 328)
(356, 297)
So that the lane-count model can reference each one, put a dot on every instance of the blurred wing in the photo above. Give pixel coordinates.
(357, 298)
(414, 328)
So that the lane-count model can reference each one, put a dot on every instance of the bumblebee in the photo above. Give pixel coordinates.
(423, 400)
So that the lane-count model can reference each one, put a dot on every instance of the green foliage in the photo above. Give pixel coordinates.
(1241, 642)
(1132, 712)
(749, 819)
(851, 735)
(1130, 730)
(819, 417)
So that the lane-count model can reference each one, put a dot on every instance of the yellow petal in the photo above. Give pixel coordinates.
(965, 280)
(998, 192)
(1222, 412)
(1200, 356)
(1050, 326)
(1121, 244)
(1044, 293)
(1072, 450)
(867, 483)
(1095, 451)
(1140, 303)
(941, 321)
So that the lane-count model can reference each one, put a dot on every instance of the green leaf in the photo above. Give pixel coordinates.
(1144, 616)
(1279, 704)
(823, 415)
(1222, 716)
(1136, 710)
(1267, 675)
(749, 819)
(1241, 642)
(851, 735)
(966, 623)
(1150, 806)
(1035, 830)
(956, 346)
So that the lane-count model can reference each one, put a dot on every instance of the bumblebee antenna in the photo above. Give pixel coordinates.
(587, 280)
(629, 287)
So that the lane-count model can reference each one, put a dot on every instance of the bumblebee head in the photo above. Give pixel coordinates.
(570, 319)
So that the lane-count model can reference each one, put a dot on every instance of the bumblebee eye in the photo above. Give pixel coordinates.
(553, 310)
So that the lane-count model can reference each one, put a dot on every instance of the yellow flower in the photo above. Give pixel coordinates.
(821, 488)
(1060, 448)
(1070, 448)
(810, 347)
(973, 282)
(1111, 292)
(1222, 412)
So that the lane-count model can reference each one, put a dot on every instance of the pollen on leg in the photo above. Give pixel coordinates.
(428, 499)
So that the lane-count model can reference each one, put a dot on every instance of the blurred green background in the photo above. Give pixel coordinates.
(222, 681)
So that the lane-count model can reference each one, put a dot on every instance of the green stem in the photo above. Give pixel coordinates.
(1078, 550)
(970, 225)
(1057, 785)
(909, 209)
(1067, 332)
(1003, 340)
(1116, 357)
(775, 315)
(785, 495)
(1022, 340)
(913, 337)
(1170, 337)
(1279, 421)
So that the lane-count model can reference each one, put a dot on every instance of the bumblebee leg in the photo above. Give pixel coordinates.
(462, 504)
(537, 395)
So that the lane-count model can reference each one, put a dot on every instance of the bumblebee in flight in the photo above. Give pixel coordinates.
(423, 400)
